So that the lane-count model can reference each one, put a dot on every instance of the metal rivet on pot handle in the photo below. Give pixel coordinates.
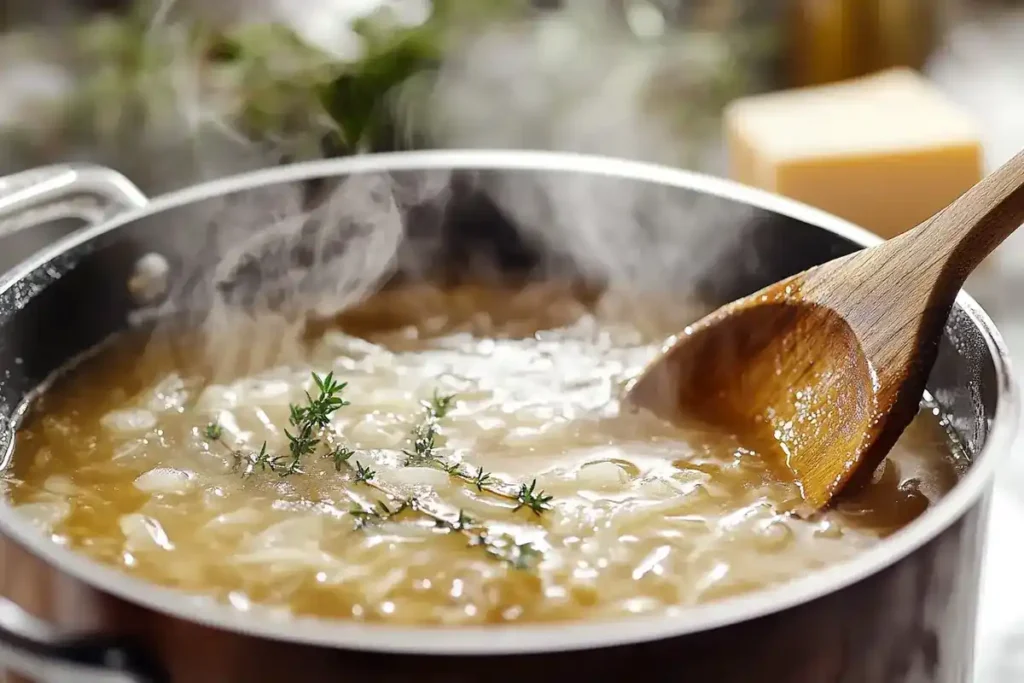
(32, 648)
(41, 195)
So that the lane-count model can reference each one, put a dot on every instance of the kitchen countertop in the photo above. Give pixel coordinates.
(982, 68)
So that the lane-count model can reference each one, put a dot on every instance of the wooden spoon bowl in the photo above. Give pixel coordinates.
(758, 372)
(827, 368)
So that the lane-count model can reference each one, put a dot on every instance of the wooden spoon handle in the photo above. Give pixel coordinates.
(970, 228)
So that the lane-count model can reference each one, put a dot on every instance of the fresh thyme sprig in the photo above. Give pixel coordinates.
(505, 548)
(499, 546)
(261, 460)
(424, 434)
(318, 411)
(306, 422)
(530, 497)
(265, 461)
(502, 547)
(425, 453)
(340, 456)
(378, 513)
(482, 479)
(308, 430)
(363, 474)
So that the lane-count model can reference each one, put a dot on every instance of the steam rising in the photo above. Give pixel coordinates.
(565, 81)
(306, 263)
(568, 81)
(332, 256)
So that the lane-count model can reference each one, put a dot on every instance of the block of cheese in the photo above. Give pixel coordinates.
(884, 151)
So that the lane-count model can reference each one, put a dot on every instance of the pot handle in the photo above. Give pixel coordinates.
(42, 195)
(31, 647)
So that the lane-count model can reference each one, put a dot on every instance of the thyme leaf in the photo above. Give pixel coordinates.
(308, 429)
(481, 479)
(536, 501)
(424, 453)
(464, 521)
(440, 405)
(378, 513)
(307, 420)
(505, 548)
(363, 474)
(305, 425)
(251, 461)
(340, 456)
(424, 434)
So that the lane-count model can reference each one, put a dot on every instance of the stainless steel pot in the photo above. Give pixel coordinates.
(903, 612)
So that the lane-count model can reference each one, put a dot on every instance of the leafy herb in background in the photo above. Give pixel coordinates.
(137, 80)
(361, 99)
(174, 87)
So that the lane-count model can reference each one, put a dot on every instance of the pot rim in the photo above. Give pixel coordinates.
(524, 639)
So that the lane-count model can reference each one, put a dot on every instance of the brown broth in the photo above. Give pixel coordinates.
(645, 517)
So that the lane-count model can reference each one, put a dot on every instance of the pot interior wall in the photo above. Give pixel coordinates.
(489, 224)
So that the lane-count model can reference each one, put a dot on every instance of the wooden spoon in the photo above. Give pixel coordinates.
(827, 368)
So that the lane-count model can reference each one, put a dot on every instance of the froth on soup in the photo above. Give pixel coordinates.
(473, 468)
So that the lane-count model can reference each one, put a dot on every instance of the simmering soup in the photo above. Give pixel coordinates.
(432, 458)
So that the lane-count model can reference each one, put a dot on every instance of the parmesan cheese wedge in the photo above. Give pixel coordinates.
(885, 151)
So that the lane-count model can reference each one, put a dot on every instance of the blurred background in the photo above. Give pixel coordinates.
(176, 92)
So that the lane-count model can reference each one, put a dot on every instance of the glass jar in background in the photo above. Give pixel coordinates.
(786, 43)
(831, 40)
(718, 50)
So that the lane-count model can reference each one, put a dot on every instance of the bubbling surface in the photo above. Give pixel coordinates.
(645, 517)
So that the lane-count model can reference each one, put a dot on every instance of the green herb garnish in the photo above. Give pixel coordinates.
(424, 435)
(504, 547)
(464, 521)
(307, 421)
(425, 453)
(363, 474)
(481, 479)
(309, 428)
(264, 461)
(318, 411)
(213, 431)
(245, 463)
(529, 497)
(340, 456)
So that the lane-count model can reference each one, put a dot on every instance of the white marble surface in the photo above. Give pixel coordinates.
(984, 69)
